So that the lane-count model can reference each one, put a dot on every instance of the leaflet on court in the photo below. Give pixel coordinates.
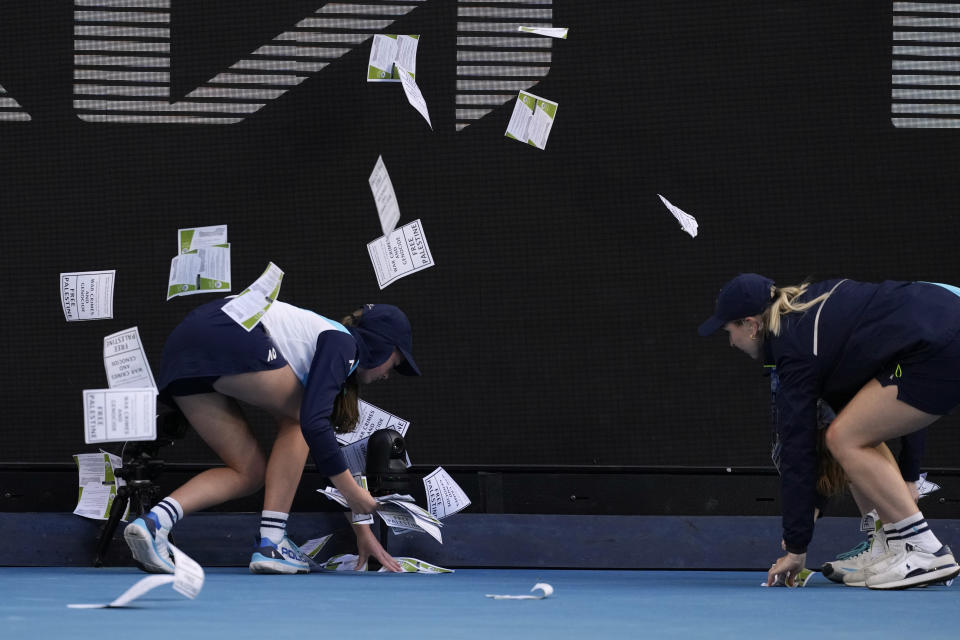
(687, 221)
(87, 295)
(389, 50)
(348, 562)
(187, 579)
(248, 308)
(125, 360)
(202, 263)
(119, 415)
(403, 252)
(532, 120)
(384, 197)
(551, 32)
(444, 495)
(98, 484)
(414, 96)
(545, 590)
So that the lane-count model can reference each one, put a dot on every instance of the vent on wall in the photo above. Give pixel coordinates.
(494, 59)
(926, 65)
(122, 61)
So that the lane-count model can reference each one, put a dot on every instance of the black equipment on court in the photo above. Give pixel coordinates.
(140, 469)
(386, 466)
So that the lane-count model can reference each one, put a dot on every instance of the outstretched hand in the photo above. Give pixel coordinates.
(368, 546)
(786, 569)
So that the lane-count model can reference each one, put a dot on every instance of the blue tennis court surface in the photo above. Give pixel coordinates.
(649, 604)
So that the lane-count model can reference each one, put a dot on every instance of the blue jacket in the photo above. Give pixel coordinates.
(831, 351)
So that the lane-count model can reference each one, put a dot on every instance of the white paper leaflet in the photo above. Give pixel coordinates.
(544, 588)
(311, 548)
(384, 197)
(551, 32)
(188, 575)
(87, 295)
(925, 487)
(196, 237)
(139, 588)
(389, 51)
(372, 418)
(98, 484)
(202, 263)
(343, 562)
(348, 562)
(444, 495)
(687, 221)
(400, 509)
(125, 360)
(119, 415)
(188, 579)
(406, 56)
(413, 93)
(248, 307)
(361, 518)
(399, 254)
(531, 120)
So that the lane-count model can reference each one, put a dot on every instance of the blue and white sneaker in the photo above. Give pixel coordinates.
(913, 568)
(149, 548)
(282, 557)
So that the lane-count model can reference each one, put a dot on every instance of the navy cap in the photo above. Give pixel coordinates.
(381, 328)
(746, 295)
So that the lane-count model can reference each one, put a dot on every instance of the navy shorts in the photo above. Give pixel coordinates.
(209, 344)
(931, 384)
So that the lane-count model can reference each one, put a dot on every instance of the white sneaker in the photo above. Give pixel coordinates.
(850, 561)
(849, 571)
(912, 567)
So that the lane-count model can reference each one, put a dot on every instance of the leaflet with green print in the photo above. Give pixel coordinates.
(98, 484)
(202, 264)
(389, 50)
(532, 120)
(348, 562)
(253, 302)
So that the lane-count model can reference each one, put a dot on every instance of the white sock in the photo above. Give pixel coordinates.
(912, 530)
(273, 525)
(167, 512)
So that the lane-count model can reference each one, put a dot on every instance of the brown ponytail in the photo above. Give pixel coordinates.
(831, 478)
(346, 411)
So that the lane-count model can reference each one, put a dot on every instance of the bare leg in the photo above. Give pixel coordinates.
(285, 466)
(863, 503)
(874, 416)
(279, 392)
(220, 422)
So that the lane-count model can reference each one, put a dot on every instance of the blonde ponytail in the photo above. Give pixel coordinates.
(783, 303)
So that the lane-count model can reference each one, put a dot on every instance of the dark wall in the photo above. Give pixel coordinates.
(558, 326)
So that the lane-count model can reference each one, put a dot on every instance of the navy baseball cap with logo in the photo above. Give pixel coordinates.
(746, 295)
(382, 328)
